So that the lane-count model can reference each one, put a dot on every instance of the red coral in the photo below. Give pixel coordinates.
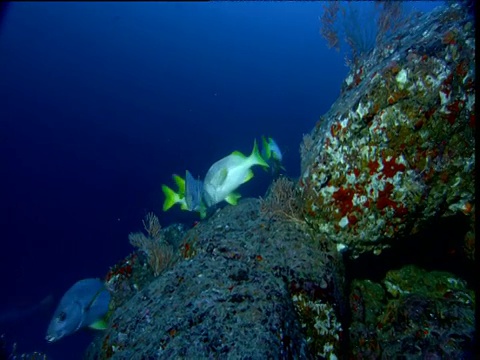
(390, 167)
(401, 211)
(335, 129)
(454, 109)
(462, 68)
(418, 125)
(344, 199)
(384, 198)
(373, 166)
(429, 113)
(352, 219)
(449, 38)
(384, 202)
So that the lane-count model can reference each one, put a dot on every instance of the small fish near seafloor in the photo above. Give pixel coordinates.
(85, 304)
(272, 154)
(194, 194)
(189, 194)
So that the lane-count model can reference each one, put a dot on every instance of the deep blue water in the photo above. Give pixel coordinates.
(100, 103)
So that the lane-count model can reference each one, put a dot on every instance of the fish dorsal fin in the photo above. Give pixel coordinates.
(238, 153)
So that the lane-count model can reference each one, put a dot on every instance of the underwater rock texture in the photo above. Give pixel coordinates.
(397, 148)
(413, 312)
(256, 288)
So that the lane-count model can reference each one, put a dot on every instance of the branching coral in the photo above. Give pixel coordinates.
(160, 254)
(283, 200)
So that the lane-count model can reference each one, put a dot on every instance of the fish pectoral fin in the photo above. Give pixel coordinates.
(99, 325)
(248, 176)
(232, 198)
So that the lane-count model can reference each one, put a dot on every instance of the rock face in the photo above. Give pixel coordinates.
(413, 312)
(397, 148)
(254, 289)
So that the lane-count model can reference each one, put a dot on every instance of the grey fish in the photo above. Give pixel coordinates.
(227, 174)
(194, 194)
(272, 154)
(84, 304)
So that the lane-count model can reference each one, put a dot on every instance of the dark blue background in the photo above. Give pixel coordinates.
(101, 102)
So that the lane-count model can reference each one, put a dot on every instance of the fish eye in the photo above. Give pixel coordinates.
(62, 316)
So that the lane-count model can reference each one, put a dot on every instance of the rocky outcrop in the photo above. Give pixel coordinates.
(255, 288)
(397, 148)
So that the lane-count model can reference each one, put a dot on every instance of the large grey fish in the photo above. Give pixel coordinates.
(227, 174)
(85, 304)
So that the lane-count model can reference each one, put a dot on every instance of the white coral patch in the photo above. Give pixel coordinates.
(343, 222)
(401, 78)
(444, 99)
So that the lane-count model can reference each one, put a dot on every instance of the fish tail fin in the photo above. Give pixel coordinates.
(180, 183)
(267, 152)
(171, 197)
(256, 157)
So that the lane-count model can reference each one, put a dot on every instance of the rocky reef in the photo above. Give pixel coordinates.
(239, 296)
(323, 267)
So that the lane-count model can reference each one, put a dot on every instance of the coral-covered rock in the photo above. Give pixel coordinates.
(413, 312)
(256, 288)
(397, 148)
